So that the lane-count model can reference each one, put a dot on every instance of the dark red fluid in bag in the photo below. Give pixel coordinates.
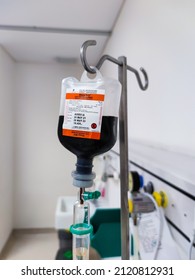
(88, 148)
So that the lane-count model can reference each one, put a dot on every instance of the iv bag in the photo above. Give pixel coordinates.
(88, 114)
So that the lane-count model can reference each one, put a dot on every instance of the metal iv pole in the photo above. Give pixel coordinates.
(123, 133)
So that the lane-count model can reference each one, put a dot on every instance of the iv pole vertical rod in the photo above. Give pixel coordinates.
(124, 170)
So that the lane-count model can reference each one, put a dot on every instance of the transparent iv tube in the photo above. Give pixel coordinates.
(81, 228)
(81, 240)
(81, 211)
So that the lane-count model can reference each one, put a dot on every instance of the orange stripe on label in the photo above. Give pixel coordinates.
(81, 134)
(85, 96)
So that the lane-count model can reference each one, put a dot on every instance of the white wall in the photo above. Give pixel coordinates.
(42, 166)
(159, 36)
(6, 145)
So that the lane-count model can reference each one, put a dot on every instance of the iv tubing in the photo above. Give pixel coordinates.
(160, 224)
(81, 191)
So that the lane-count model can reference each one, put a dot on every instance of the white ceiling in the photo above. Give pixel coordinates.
(43, 30)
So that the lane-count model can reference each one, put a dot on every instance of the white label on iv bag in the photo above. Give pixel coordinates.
(83, 113)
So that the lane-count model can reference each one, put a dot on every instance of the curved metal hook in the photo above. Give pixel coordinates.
(108, 57)
(83, 55)
(87, 67)
(91, 70)
(143, 87)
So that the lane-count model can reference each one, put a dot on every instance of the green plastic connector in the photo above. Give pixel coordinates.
(91, 195)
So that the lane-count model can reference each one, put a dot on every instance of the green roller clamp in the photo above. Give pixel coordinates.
(91, 195)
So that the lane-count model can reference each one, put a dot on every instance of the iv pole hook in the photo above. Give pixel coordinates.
(83, 55)
(143, 87)
(91, 70)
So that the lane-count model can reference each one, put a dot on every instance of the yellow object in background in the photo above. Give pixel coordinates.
(130, 203)
(161, 199)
